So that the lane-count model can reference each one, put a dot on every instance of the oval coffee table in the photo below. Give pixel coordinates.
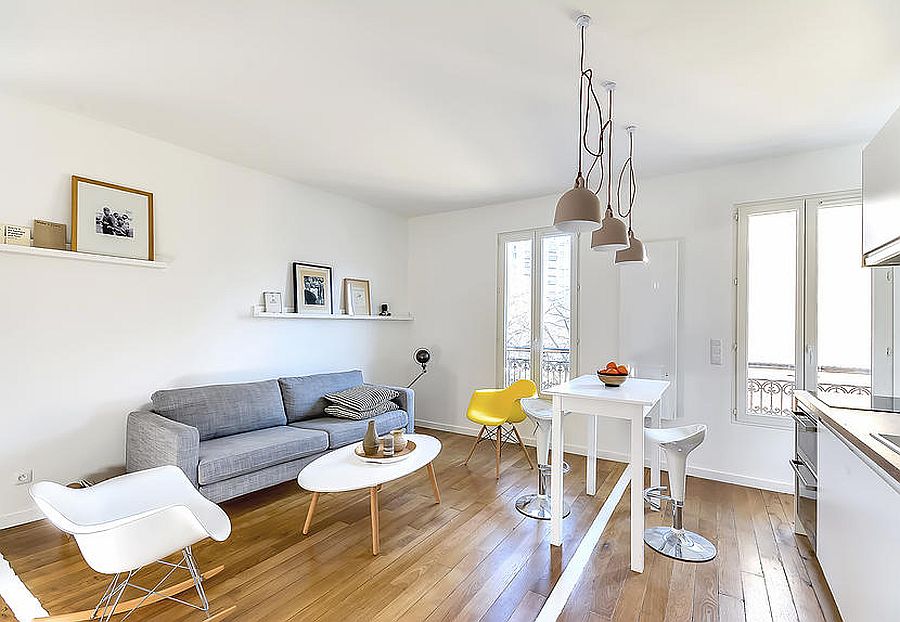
(341, 471)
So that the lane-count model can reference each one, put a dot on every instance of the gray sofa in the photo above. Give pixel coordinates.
(233, 439)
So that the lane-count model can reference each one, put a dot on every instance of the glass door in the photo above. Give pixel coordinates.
(516, 319)
(839, 315)
(537, 311)
(769, 329)
(804, 304)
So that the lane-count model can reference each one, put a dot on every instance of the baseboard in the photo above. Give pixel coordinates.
(742, 480)
(21, 517)
(581, 450)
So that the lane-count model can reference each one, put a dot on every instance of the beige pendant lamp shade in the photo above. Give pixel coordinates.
(611, 236)
(578, 210)
(634, 254)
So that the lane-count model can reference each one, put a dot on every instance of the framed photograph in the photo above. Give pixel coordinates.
(357, 300)
(273, 302)
(312, 288)
(108, 219)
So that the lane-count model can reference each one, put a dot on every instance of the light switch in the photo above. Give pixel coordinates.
(715, 352)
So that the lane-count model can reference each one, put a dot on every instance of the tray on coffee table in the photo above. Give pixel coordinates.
(380, 458)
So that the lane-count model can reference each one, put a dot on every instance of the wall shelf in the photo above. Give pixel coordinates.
(14, 249)
(258, 312)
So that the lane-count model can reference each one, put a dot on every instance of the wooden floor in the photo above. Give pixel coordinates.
(471, 558)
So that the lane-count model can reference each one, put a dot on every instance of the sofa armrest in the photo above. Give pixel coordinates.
(152, 440)
(406, 401)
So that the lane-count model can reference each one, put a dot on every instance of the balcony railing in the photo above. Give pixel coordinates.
(770, 386)
(555, 366)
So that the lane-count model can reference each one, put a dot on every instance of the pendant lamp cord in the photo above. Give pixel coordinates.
(584, 124)
(632, 182)
(609, 156)
(581, 103)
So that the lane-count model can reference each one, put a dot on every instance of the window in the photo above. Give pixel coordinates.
(537, 293)
(803, 304)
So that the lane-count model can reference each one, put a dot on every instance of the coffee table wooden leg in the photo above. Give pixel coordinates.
(309, 514)
(434, 484)
(376, 529)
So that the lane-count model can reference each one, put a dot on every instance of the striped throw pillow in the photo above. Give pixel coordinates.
(363, 397)
(336, 410)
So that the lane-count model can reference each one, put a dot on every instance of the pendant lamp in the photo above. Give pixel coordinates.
(635, 253)
(578, 209)
(612, 235)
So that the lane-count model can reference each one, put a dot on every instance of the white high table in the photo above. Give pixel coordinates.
(632, 401)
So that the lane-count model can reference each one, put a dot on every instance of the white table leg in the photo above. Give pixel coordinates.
(591, 462)
(637, 491)
(654, 451)
(556, 476)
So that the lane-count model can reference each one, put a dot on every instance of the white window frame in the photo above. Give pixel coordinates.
(805, 327)
(536, 237)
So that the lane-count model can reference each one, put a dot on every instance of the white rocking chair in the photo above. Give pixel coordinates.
(129, 522)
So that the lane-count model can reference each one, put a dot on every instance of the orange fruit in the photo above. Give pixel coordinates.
(623, 371)
(611, 365)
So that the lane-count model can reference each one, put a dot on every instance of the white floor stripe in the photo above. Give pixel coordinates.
(22, 602)
(554, 604)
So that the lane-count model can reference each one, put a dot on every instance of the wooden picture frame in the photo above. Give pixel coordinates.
(357, 297)
(312, 289)
(110, 219)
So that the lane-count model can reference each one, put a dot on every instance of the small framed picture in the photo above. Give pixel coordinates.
(108, 219)
(273, 302)
(312, 288)
(357, 300)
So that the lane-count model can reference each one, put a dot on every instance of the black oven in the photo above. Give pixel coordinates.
(806, 430)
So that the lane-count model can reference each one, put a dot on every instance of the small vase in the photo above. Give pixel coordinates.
(399, 440)
(370, 441)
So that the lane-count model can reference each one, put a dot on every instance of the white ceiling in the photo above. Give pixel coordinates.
(422, 106)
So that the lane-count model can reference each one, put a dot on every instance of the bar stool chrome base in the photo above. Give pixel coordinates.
(537, 505)
(680, 544)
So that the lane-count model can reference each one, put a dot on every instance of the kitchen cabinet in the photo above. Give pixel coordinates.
(858, 527)
(881, 196)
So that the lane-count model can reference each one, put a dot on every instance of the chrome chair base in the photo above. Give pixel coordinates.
(680, 544)
(538, 506)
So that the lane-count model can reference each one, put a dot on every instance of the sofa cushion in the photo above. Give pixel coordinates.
(230, 456)
(304, 396)
(223, 409)
(345, 431)
(362, 397)
(336, 410)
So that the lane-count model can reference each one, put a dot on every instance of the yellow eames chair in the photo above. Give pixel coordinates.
(496, 408)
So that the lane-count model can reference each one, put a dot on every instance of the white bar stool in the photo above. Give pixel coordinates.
(537, 505)
(675, 541)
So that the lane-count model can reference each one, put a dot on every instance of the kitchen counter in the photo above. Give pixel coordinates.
(856, 490)
(855, 427)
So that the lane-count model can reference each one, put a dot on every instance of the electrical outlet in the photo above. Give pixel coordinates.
(715, 352)
(23, 477)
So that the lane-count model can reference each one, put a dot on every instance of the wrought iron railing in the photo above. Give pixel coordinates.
(556, 365)
(770, 386)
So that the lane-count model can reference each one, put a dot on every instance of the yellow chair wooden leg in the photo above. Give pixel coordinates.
(474, 445)
(522, 445)
(498, 452)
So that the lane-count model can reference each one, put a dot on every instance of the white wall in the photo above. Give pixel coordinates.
(453, 290)
(85, 343)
